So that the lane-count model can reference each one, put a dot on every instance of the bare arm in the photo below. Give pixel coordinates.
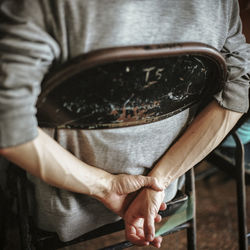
(46, 159)
(203, 135)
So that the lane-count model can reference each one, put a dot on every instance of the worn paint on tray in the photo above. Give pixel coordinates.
(129, 93)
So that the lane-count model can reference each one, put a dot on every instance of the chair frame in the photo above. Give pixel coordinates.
(117, 55)
(34, 238)
(29, 235)
(241, 177)
(2, 218)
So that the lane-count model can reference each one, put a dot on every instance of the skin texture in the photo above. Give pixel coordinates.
(204, 134)
(123, 194)
(46, 159)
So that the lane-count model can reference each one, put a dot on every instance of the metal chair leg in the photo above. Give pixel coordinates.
(190, 190)
(26, 243)
(2, 220)
(241, 194)
(241, 202)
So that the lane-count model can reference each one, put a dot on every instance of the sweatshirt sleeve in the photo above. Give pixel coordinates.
(26, 52)
(236, 51)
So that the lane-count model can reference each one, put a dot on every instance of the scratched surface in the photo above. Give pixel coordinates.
(129, 93)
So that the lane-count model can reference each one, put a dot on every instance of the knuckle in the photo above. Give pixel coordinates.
(154, 180)
(140, 180)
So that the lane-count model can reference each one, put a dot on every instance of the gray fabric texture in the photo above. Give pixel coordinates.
(131, 150)
(36, 34)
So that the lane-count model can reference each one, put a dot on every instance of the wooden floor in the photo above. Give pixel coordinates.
(216, 221)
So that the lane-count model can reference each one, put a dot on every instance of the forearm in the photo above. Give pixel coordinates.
(202, 136)
(46, 159)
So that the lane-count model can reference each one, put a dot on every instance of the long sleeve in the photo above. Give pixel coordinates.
(236, 51)
(26, 52)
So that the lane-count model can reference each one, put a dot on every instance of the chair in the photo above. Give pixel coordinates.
(236, 170)
(35, 238)
(2, 219)
(158, 81)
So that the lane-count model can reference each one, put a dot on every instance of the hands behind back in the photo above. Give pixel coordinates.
(141, 216)
(123, 188)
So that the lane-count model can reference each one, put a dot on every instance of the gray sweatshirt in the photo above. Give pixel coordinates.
(35, 34)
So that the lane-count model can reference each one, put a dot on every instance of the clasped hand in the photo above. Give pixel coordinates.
(141, 216)
(139, 210)
(123, 188)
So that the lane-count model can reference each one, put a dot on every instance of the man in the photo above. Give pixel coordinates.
(37, 34)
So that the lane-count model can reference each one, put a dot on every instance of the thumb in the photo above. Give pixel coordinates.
(152, 182)
(149, 228)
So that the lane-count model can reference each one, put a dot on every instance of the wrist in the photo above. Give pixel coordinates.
(102, 186)
(163, 175)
